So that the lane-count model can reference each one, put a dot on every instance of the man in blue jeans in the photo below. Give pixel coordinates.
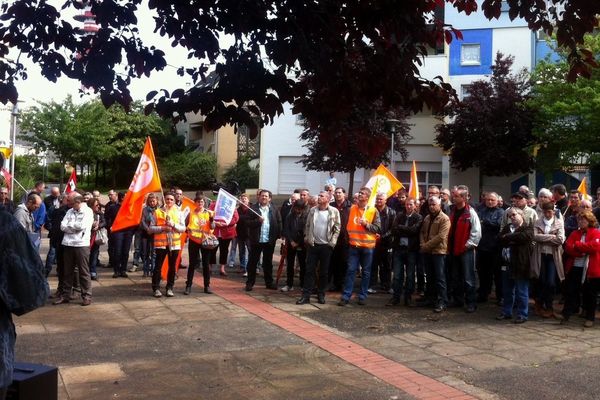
(363, 226)
(463, 238)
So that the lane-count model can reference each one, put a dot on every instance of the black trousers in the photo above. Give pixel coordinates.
(489, 271)
(339, 264)
(290, 259)
(590, 294)
(317, 255)
(223, 250)
(194, 251)
(161, 254)
(380, 268)
(256, 249)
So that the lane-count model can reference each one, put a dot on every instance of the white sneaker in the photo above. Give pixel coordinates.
(391, 291)
(157, 293)
(245, 274)
(170, 293)
(287, 288)
(371, 291)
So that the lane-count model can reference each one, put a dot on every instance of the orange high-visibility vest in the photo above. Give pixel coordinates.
(199, 225)
(167, 239)
(357, 234)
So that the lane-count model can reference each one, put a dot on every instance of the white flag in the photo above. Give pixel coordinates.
(225, 206)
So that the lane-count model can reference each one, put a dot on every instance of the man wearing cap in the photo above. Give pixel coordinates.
(519, 200)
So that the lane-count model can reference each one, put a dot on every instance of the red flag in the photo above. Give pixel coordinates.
(7, 177)
(145, 180)
(71, 183)
(187, 206)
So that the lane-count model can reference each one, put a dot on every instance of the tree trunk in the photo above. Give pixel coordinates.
(351, 185)
(96, 173)
(114, 174)
(62, 175)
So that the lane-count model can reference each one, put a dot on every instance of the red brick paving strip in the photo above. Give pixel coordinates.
(392, 372)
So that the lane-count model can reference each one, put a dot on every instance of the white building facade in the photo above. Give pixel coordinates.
(460, 63)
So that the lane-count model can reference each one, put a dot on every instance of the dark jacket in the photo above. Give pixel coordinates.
(56, 235)
(49, 203)
(242, 224)
(410, 230)
(9, 206)
(519, 242)
(23, 286)
(293, 228)
(254, 224)
(285, 210)
(344, 210)
(386, 237)
(490, 228)
(562, 205)
(110, 213)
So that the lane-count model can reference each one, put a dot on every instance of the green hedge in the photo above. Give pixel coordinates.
(189, 170)
(243, 173)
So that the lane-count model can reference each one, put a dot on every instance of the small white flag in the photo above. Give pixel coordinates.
(225, 206)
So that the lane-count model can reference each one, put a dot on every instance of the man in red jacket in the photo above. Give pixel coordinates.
(463, 238)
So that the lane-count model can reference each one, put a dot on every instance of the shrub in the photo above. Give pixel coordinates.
(243, 173)
(189, 170)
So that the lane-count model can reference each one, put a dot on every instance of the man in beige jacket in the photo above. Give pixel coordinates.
(434, 243)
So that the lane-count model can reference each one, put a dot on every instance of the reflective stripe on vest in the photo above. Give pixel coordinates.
(199, 225)
(167, 239)
(357, 234)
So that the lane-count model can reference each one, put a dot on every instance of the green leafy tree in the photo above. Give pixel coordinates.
(242, 173)
(90, 134)
(188, 170)
(567, 113)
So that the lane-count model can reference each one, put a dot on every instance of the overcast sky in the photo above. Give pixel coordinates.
(37, 87)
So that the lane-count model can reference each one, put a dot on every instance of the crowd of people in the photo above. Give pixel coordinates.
(442, 250)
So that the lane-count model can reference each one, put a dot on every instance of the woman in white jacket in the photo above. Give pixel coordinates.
(77, 226)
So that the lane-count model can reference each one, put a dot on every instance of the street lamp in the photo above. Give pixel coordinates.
(390, 127)
(15, 116)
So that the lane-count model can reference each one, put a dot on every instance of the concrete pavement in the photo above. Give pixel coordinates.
(261, 345)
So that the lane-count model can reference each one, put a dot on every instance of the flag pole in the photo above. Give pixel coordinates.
(237, 200)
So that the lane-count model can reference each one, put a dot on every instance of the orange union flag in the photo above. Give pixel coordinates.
(383, 181)
(145, 180)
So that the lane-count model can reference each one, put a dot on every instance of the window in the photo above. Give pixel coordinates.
(464, 91)
(425, 178)
(470, 54)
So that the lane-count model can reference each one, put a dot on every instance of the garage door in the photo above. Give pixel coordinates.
(291, 175)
